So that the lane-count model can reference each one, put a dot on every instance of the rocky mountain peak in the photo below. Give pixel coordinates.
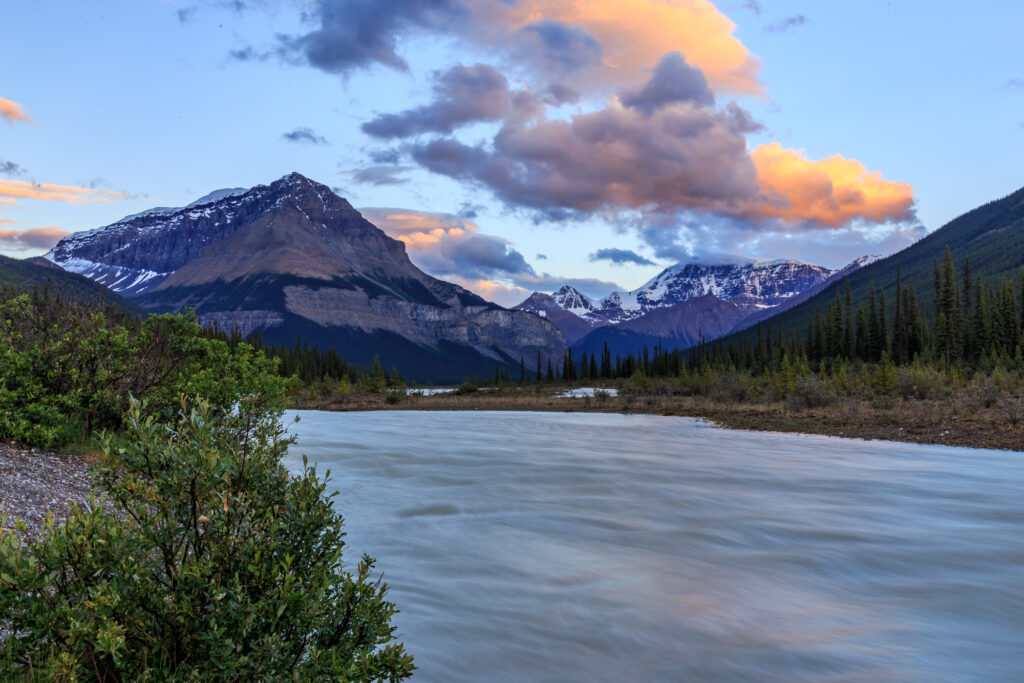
(572, 299)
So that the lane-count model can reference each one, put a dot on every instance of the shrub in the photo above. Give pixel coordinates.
(812, 392)
(67, 372)
(217, 564)
(919, 382)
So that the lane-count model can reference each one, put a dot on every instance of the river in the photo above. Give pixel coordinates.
(601, 547)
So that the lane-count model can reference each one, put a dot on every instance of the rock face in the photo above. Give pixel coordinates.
(293, 258)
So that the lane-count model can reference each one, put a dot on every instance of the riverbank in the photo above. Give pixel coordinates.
(957, 420)
(34, 483)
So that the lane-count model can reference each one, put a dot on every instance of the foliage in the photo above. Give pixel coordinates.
(68, 371)
(214, 565)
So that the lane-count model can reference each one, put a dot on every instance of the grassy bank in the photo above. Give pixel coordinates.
(978, 415)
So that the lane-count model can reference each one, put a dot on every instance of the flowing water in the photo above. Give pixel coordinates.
(601, 547)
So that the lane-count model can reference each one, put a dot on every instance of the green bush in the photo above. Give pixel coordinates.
(215, 564)
(67, 371)
(812, 392)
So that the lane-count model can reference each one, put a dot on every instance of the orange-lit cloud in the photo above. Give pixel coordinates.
(456, 250)
(13, 190)
(634, 35)
(12, 111)
(830, 192)
(33, 238)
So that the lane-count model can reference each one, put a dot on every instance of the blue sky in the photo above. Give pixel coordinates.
(518, 145)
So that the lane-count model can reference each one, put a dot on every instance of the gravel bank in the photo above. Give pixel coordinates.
(34, 482)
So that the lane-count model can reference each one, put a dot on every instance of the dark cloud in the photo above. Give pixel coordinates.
(620, 257)
(463, 94)
(740, 119)
(353, 34)
(783, 25)
(9, 169)
(564, 48)
(385, 156)
(752, 5)
(542, 257)
(248, 54)
(186, 14)
(674, 81)
(557, 94)
(487, 256)
(469, 210)
(305, 135)
(389, 174)
(613, 159)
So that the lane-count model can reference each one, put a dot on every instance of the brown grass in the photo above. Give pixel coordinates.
(951, 421)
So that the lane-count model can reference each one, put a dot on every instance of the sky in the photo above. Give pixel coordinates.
(519, 145)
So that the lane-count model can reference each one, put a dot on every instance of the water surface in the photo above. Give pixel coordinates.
(573, 546)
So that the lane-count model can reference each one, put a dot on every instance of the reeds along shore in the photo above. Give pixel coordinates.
(983, 411)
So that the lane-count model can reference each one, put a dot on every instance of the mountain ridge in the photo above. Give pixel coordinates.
(293, 255)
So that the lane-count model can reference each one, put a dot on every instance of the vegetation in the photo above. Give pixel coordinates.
(200, 557)
(68, 371)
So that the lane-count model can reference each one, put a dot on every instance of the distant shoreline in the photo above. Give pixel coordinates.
(946, 422)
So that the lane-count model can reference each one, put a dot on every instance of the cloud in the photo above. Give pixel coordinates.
(385, 156)
(783, 25)
(542, 257)
(674, 81)
(13, 190)
(463, 94)
(633, 36)
(9, 169)
(753, 6)
(613, 159)
(710, 238)
(13, 112)
(556, 94)
(456, 250)
(599, 41)
(1013, 84)
(563, 48)
(33, 238)
(831, 192)
(620, 257)
(446, 245)
(354, 34)
(380, 175)
(305, 135)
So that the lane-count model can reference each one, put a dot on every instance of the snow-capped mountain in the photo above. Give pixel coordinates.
(752, 286)
(291, 258)
(138, 252)
(567, 309)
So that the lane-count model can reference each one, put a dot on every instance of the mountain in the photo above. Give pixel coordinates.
(749, 288)
(566, 309)
(991, 236)
(678, 326)
(294, 259)
(836, 276)
(38, 274)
